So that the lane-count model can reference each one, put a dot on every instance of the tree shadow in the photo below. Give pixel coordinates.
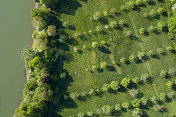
(136, 8)
(60, 84)
(68, 7)
(156, 56)
(164, 14)
(104, 50)
(84, 1)
(103, 20)
(111, 68)
(151, 3)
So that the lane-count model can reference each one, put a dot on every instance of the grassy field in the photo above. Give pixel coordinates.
(80, 68)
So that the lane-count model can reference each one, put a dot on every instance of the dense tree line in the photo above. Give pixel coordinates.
(46, 76)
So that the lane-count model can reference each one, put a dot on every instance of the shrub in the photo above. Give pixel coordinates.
(125, 105)
(105, 87)
(90, 114)
(132, 58)
(160, 51)
(127, 33)
(160, 10)
(136, 80)
(99, 29)
(170, 95)
(160, 26)
(136, 103)
(121, 22)
(154, 99)
(151, 28)
(114, 85)
(51, 30)
(99, 111)
(91, 91)
(142, 31)
(159, 108)
(172, 72)
(144, 101)
(103, 64)
(140, 55)
(81, 114)
(153, 13)
(112, 24)
(113, 10)
(74, 95)
(137, 112)
(169, 84)
(150, 53)
(123, 60)
(169, 48)
(107, 109)
(94, 44)
(145, 15)
(163, 73)
(117, 107)
(125, 82)
(162, 97)
(133, 92)
(97, 15)
(145, 77)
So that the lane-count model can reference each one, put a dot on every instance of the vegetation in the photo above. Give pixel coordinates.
(101, 58)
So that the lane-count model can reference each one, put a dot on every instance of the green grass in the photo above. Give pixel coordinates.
(122, 47)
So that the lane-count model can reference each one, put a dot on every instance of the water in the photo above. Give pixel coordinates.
(15, 34)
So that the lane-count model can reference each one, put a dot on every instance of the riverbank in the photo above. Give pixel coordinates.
(36, 5)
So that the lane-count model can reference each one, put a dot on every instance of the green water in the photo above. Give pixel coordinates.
(15, 34)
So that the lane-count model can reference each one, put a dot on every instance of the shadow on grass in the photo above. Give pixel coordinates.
(68, 6)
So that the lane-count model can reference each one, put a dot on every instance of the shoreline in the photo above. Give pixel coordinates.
(35, 5)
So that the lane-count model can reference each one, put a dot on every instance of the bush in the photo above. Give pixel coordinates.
(132, 58)
(160, 26)
(51, 30)
(97, 15)
(81, 114)
(140, 55)
(133, 92)
(172, 72)
(142, 31)
(160, 51)
(144, 101)
(117, 107)
(162, 97)
(136, 103)
(114, 85)
(105, 87)
(112, 24)
(125, 82)
(150, 53)
(123, 60)
(107, 109)
(160, 10)
(103, 64)
(136, 80)
(137, 112)
(169, 84)
(154, 99)
(151, 28)
(90, 114)
(153, 13)
(169, 48)
(170, 95)
(125, 105)
(159, 108)
(163, 73)
(145, 77)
